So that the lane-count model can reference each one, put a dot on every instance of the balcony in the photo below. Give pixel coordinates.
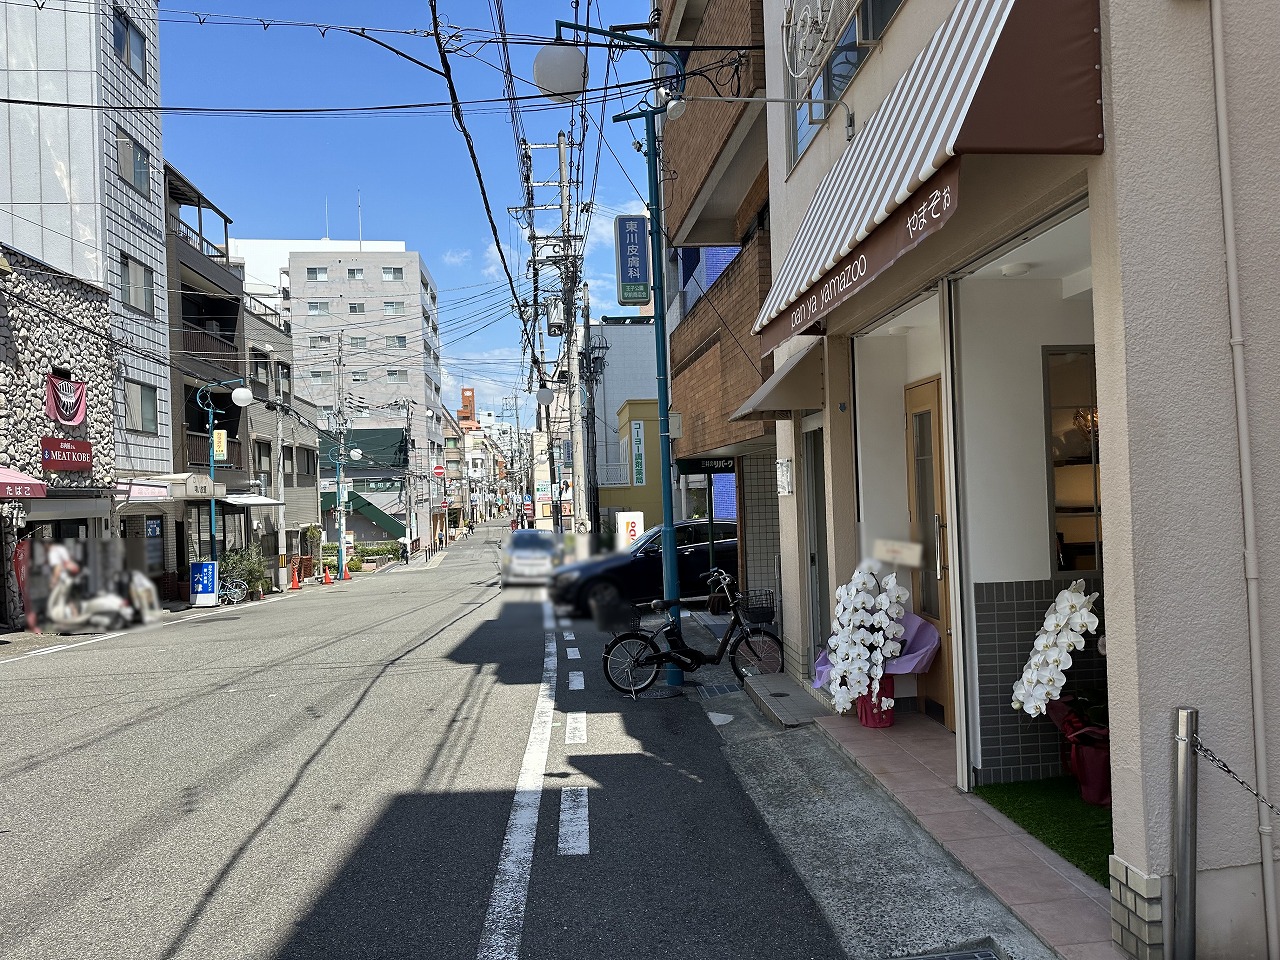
(197, 452)
(613, 475)
(211, 348)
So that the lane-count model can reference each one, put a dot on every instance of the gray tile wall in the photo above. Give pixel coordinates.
(758, 519)
(1015, 746)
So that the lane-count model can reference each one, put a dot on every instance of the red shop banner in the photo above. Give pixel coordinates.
(58, 454)
(64, 400)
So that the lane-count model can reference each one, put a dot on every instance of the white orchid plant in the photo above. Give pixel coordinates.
(865, 633)
(1066, 624)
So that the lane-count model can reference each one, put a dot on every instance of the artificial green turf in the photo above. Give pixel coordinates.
(1052, 812)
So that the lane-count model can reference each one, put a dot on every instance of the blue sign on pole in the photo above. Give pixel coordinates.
(204, 579)
(635, 270)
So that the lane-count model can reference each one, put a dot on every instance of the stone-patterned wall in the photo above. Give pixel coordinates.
(1015, 746)
(50, 320)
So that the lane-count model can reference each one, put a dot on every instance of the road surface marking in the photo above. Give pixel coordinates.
(575, 680)
(575, 829)
(572, 653)
(569, 636)
(435, 561)
(548, 616)
(120, 633)
(504, 919)
(575, 728)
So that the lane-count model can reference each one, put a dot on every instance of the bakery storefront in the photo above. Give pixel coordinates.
(939, 289)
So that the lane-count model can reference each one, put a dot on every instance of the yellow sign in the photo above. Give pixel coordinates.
(219, 444)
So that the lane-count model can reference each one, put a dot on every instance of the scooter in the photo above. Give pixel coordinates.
(105, 611)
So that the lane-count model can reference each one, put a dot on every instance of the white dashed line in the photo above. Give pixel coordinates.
(575, 828)
(571, 653)
(575, 680)
(504, 919)
(569, 636)
(575, 728)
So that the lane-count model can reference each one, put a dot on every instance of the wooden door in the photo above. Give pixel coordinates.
(927, 504)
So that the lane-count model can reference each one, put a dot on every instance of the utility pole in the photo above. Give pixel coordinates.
(568, 288)
(588, 360)
(411, 509)
(278, 455)
(342, 456)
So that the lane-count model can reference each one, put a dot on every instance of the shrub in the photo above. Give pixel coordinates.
(355, 564)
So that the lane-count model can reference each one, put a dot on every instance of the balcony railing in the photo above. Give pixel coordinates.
(194, 239)
(613, 474)
(211, 348)
(198, 452)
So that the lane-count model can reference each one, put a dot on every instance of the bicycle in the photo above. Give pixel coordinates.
(232, 591)
(631, 659)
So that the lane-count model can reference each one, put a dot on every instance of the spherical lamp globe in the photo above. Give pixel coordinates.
(545, 396)
(242, 396)
(356, 454)
(560, 72)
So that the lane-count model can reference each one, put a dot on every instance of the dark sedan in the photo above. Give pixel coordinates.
(635, 574)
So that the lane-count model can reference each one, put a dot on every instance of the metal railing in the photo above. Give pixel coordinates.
(211, 348)
(198, 452)
(613, 475)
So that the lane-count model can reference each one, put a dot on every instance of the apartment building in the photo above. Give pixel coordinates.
(82, 190)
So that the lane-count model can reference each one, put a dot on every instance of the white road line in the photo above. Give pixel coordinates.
(569, 636)
(435, 561)
(571, 653)
(504, 920)
(120, 633)
(548, 616)
(575, 680)
(575, 828)
(566, 623)
(575, 728)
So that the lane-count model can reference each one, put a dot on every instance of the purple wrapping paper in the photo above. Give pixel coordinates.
(920, 645)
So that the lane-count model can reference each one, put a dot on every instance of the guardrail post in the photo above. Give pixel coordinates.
(1184, 836)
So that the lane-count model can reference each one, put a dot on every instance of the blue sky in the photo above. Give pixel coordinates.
(272, 174)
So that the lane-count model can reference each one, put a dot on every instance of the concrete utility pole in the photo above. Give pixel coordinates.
(342, 456)
(569, 287)
(411, 508)
(282, 577)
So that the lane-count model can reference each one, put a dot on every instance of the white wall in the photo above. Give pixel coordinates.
(880, 373)
(1003, 324)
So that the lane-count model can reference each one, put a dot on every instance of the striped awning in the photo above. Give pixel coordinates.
(999, 76)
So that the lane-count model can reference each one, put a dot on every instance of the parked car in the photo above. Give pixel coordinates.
(635, 574)
(529, 556)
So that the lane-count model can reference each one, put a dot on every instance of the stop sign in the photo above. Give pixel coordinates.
(438, 471)
(528, 509)
(444, 504)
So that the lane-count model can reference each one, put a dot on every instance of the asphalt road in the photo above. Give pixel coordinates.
(399, 766)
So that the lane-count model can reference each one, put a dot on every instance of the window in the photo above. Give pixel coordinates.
(286, 379)
(322, 376)
(393, 308)
(259, 370)
(317, 308)
(355, 273)
(262, 458)
(1071, 422)
(317, 273)
(393, 273)
(130, 43)
(286, 461)
(133, 163)
(832, 79)
(307, 461)
(141, 407)
(359, 376)
(355, 308)
(397, 376)
(358, 343)
(318, 343)
(137, 286)
(397, 343)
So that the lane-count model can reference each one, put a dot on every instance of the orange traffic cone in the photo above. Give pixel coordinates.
(327, 578)
(295, 585)
(346, 574)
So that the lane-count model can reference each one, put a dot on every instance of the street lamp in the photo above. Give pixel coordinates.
(241, 396)
(338, 456)
(560, 72)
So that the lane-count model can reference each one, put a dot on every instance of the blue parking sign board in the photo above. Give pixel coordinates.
(204, 584)
(635, 272)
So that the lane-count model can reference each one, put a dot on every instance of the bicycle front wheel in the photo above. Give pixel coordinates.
(755, 652)
(235, 590)
(622, 662)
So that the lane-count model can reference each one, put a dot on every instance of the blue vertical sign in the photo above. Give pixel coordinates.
(204, 584)
(635, 271)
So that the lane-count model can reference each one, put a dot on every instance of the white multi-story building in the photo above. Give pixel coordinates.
(366, 335)
(82, 189)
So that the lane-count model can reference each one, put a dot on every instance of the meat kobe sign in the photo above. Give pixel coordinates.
(59, 454)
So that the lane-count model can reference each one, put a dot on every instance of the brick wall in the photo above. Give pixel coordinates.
(692, 145)
(715, 361)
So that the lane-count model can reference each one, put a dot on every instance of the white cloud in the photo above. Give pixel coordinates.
(456, 258)
(492, 269)
(600, 236)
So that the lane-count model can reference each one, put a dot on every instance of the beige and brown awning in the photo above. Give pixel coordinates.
(795, 385)
(998, 77)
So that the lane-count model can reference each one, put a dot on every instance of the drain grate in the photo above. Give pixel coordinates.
(659, 693)
(709, 690)
(961, 955)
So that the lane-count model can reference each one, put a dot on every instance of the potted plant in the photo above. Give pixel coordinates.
(1040, 691)
(865, 635)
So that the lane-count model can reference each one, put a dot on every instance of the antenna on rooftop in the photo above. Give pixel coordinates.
(326, 216)
(359, 221)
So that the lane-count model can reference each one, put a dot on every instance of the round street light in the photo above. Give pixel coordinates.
(355, 454)
(560, 71)
(242, 396)
(545, 396)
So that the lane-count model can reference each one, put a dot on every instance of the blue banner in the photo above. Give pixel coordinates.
(635, 270)
(204, 578)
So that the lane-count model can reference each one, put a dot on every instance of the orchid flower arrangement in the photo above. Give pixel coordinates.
(865, 633)
(1065, 625)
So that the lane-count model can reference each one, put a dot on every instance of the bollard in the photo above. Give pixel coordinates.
(1184, 836)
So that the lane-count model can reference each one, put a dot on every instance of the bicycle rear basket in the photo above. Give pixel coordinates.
(615, 617)
(758, 606)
